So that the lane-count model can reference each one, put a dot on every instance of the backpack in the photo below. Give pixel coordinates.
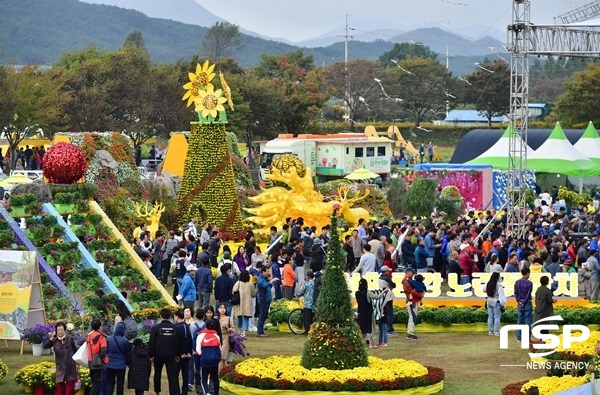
(378, 306)
(210, 346)
(131, 328)
(195, 329)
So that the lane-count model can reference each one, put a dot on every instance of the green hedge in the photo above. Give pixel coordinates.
(449, 315)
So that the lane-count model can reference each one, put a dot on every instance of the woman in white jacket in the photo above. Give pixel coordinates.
(496, 302)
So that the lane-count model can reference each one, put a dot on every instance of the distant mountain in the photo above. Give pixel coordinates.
(39, 32)
(33, 31)
(186, 11)
(438, 40)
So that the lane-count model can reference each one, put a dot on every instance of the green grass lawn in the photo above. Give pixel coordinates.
(471, 361)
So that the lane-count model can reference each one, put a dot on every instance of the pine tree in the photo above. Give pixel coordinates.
(334, 341)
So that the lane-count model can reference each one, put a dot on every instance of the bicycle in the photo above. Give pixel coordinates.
(296, 319)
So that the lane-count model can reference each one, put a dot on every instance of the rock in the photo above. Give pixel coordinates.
(104, 160)
(168, 185)
(38, 187)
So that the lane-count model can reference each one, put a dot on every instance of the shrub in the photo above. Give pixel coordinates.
(420, 198)
(3, 369)
(394, 196)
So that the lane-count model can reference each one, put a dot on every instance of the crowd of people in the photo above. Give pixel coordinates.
(193, 348)
(28, 158)
(196, 344)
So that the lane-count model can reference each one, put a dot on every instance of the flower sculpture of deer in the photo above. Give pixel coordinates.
(352, 215)
(151, 216)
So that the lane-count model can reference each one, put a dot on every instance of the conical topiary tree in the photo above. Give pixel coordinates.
(208, 184)
(334, 340)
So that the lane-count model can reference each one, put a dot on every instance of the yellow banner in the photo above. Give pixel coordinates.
(16, 276)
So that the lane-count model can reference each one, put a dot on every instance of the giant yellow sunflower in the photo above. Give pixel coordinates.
(210, 101)
(199, 80)
(226, 89)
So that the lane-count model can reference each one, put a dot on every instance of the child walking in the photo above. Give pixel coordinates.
(140, 367)
(208, 346)
(227, 327)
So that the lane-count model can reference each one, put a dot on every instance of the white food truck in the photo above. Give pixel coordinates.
(331, 156)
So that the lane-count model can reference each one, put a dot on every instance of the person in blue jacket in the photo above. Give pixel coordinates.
(117, 350)
(187, 291)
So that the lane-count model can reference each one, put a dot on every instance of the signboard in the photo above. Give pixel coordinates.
(567, 284)
(20, 293)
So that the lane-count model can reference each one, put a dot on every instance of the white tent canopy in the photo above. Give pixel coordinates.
(497, 154)
(558, 155)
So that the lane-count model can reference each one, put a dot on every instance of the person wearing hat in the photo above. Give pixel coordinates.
(568, 266)
(187, 290)
(595, 276)
(309, 306)
(386, 282)
(582, 253)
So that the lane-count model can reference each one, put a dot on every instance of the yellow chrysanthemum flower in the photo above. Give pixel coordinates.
(227, 90)
(199, 80)
(209, 102)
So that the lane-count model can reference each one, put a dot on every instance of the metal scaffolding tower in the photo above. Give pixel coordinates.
(525, 39)
(582, 13)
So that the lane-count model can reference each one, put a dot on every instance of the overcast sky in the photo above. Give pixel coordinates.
(304, 19)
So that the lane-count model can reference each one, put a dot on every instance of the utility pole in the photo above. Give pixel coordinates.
(447, 68)
(347, 93)
(525, 39)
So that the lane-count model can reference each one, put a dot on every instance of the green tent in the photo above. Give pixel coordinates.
(497, 154)
(558, 155)
(589, 144)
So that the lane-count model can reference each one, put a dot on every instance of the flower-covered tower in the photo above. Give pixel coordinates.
(208, 184)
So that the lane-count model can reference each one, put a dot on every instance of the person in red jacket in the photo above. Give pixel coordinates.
(466, 263)
(97, 345)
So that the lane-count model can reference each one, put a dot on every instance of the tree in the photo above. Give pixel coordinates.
(256, 103)
(88, 108)
(489, 91)
(579, 104)
(32, 101)
(349, 82)
(299, 88)
(284, 67)
(421, 86)
(220, 40)
(334, 341)
(403, 51)
(136, 39)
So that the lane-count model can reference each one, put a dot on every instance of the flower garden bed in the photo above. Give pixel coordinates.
(546, 385)
(44, 373)
(45, 233)
(286, 373)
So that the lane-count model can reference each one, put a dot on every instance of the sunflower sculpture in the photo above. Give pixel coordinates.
(199, 80)
(210, 102)
(208, 184)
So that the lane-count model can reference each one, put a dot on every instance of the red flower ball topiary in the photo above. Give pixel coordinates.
(64, 163)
